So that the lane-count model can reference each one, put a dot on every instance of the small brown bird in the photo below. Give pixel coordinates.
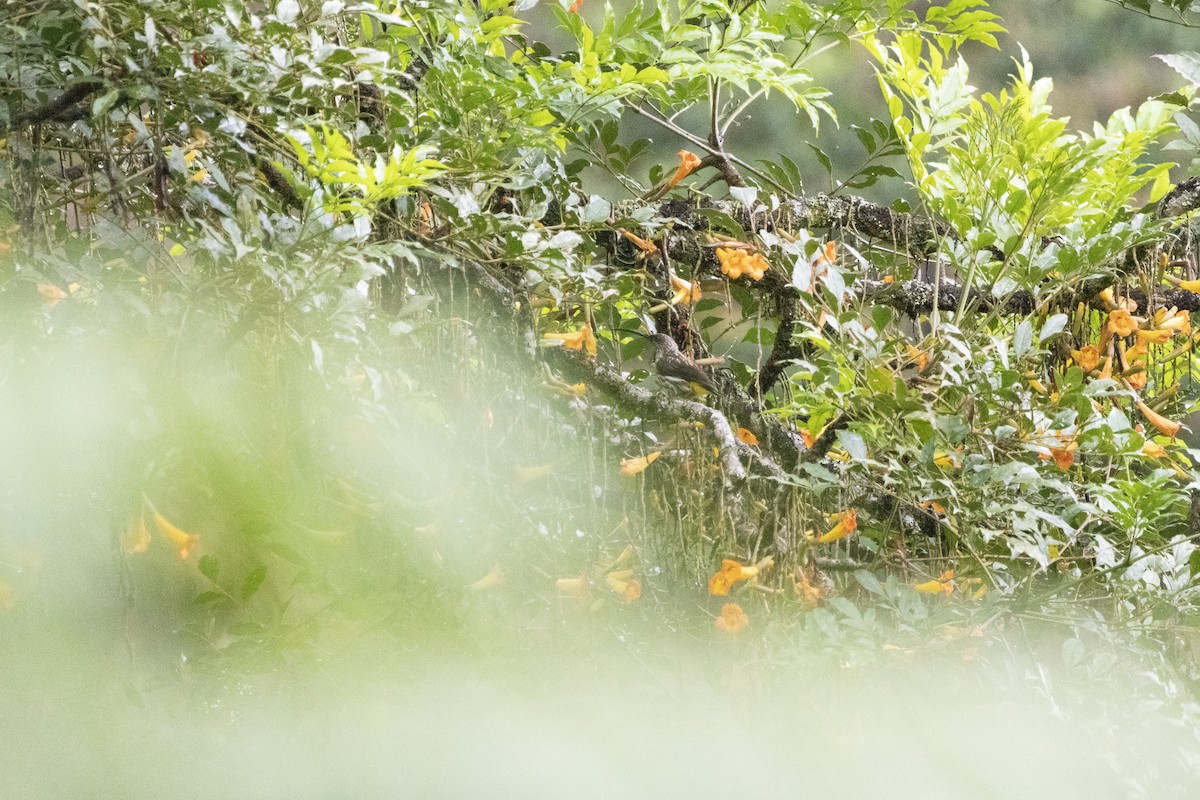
(675, 367)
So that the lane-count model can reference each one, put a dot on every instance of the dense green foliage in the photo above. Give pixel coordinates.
(283, 285)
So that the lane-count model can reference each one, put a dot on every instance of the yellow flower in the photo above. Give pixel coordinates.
(1167, 427)
(944, 584)
(642, 244)
(1189, 286)
(944, 460)
(727, 256)
(684, 292)
(582, 339)
(747, 437)
(571, 587)
(688, 161)
(184, 542)
(934, 506)
(1154, 450)
(1136, 381)
(808, 590)
(847, 524)
(1136, 353)
(632, 466)
(1175, 320)
(624, 585)
(756, 266)
(736, 262)
(527, 474)
(827, 254)
(1087, 357)
(1159, 336)
(730, 573)
(569, 389)
(1062, 453)
(136, 538)
(1121, 322)
(51, 293)
(494, 577)
(732, 619)
(1064, 456)
(917, 356)
(423, 225)
(54, 295)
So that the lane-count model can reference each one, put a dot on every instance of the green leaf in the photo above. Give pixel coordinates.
(820, 154)
(104, 102)
(597, 209)
(208, 598)
(853, 444)
(209, 567)
(1186, 64)
(722, 222)
(1023, 339)
(253, 582)
(1054, 325)
(868, 581)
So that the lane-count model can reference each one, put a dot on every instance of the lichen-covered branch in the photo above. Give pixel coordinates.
(636, 401)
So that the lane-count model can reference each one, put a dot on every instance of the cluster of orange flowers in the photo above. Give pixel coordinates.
(736, 262)
(1156, 329)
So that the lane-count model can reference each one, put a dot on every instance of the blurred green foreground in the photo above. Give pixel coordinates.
(337, 627)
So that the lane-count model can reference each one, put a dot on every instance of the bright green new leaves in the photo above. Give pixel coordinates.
(962, 20)
(1003, 164)
(350, 184)
(673, 52)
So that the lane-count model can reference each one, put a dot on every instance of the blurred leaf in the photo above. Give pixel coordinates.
(209, 567)
(253, 582)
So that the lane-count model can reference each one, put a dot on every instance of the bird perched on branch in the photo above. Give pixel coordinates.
(675, 367)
